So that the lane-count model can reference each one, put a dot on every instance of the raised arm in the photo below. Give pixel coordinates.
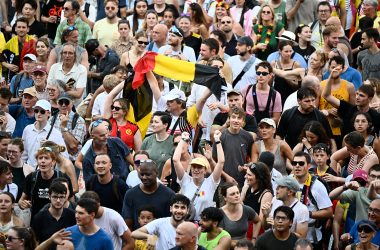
(153, 85)
(327, 90)
(109, 99)
(201, 102)
(177, 155)
(216, 174)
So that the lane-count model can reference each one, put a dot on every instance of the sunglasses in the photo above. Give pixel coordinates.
(115, 108)
(41, 111)
(366, 229)
(111, 8)
(11, 238)
(299, 163)
(138, 162)
(224, 22)
(142, 42)
(261, 73)
(63, 101)
(266, 12)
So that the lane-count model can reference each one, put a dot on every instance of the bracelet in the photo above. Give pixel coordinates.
(310, 214)
(217, 142)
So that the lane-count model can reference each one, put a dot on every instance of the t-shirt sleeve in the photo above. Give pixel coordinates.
(321, 196)
(344, 107)
(282, 125)
(28, 185)
(348, 196)
(251, 214)
(127, 211)
(120, 224)
(153, 226)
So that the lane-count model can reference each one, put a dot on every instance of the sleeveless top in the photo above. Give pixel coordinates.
(5, 228)
(279, 163)
(282, 85)
(211, 244)
(253, 200)
(353, 246)
(354, 164)
(341, 94)
(129, 65)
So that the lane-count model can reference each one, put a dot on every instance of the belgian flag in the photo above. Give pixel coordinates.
(138, 92)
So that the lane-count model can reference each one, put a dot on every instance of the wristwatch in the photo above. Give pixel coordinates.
(64, 129)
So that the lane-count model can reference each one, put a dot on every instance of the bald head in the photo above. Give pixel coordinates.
(310, 81)
(189, 228)
(160, 32)
(186, 234)
(334, 21)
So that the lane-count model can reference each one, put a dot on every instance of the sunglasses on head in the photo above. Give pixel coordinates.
(115, 108)
(41, 111)
(45, 149)
(366, 229)
(63, 101)
(299, 163)
(142, 42)
(71, 28)
(261, 73)
(96, 123)
(138, 162)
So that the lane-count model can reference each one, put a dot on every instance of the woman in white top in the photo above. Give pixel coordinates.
(137, 18)
(197, 188)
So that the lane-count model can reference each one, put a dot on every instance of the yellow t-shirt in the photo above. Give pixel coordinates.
(105, 32)
(2, 45)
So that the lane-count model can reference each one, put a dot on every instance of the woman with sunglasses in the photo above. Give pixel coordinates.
(279, 148)
(125, 41)
(150, 20)
(367, 231)
(42, 50)
(117, 113)
(63, 164)
(20, 238)
(222, 9)
(137, 18)
(236, 215)
(198, 19)
(129, 58)
(70, 35)
(257, 190)
(264, 33)
(303, 38)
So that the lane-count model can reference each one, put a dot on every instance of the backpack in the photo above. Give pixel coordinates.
(265, 113)
(115, 180)
(17, 84)
(34, 179)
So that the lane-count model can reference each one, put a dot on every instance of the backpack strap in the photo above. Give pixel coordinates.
(17, 84)
(310, 194)
(87, 9)
(115, 180)
(34, 181)
(245, 99)
(313, 25)
(247, 66)
(51, 125)
(74, 121)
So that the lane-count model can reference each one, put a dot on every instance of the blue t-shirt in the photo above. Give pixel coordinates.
(351, 75)
(23, 84)
(98, 241)
(355, 235)
(18, 112)
(297, 57)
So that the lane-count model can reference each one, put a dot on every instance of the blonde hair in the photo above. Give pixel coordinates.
(259, 21)
(110, 81)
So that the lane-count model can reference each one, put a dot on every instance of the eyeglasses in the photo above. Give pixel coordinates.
(51, 90)
(299, 163)
(66, 9)
(280, 218)
(111, 8)
(56, 197)
(64, 102)
(366, 229)
(266, 12)
(262, 73)
(41, 111)
(38, 73)
(323, 11)
(373, 210)
(11, 238)
(224, 22)
(115, 108)
(142, 42)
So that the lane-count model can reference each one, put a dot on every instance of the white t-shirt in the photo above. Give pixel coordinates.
(98, 108)
(205, 194)
(188, 52)
(301, 213)
(114, 225)
(11, 188)
(290, 102)
(11, 123)
(165, 232)
(237, 66)
(134, 180)
(274, 176)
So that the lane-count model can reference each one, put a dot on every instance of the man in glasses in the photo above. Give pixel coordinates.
(106, 29)
(317, 26)
(133, 178)
(243, 63)
(267, 99)
(71, 13)
(176, 46)
(280, 237)
(314, 195)
(106, 60)
(71, 125)
(24, 113)
(35, 134)
(231, 37)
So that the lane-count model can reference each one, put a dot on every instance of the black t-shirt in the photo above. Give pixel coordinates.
(18, 179)
(53, 8)
(106, 192)
(250, 121)
(45, 225)
(167, 6)
(231, 46)
(346, 111)
(268, 241)
(292, 123)
(37, 29)
(194, 41)
(305, 53)
(40, 195)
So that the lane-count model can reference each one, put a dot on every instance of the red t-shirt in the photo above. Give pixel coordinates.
(126, 132)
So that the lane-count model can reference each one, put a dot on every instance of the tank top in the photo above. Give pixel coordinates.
(279, 163)
(254, 199)
(211, 244)
(5, 228)
(282, 85)
(354, 164)
(18, 179)
(341, 94)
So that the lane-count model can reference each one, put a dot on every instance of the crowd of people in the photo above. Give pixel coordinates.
(279, 151)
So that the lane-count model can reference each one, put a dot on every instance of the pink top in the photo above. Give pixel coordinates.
(262, 101)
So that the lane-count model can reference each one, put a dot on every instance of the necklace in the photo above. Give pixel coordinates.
(268, 34)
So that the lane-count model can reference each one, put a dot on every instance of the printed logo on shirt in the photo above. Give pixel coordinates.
(128, 132)
(43, 193)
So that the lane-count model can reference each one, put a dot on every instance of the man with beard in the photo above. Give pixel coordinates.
(150, 191)
(342, 90)
(369, 58)
(346, 110)
(330, 38)
(165, 228)
(212, 236)
(243, 64)
(176, 47)
(324, 12)
(280, 237)
(106, 29)
(293, 120)
(226, 26)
